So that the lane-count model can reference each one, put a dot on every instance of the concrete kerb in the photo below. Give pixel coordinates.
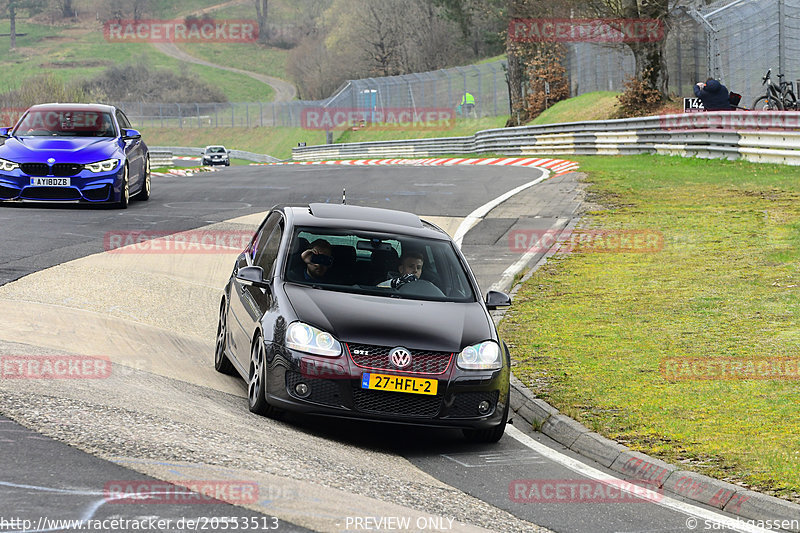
(545, 418)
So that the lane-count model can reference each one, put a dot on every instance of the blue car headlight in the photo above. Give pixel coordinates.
(103, 166)
(305, 338)
(482, 356)
(7, 165)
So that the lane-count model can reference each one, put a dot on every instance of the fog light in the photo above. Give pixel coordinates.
(484, 407)
(302, 390)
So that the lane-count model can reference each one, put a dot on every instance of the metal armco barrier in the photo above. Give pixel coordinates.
(160, 158)
(758, 136)
(197, 152)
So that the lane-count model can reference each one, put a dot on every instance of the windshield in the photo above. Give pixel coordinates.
(66, 123)
(215, 150)
(381, 265)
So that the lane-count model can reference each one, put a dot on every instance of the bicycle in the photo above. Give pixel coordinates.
(778, 97)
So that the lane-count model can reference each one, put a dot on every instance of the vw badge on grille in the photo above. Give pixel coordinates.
(400, 357)
(51, 160)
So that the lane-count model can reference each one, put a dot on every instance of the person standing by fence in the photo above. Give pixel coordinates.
(713, 94)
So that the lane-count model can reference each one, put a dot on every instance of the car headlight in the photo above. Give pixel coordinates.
(482, 356)
(103, 166)
(305, 338)
(7, 165)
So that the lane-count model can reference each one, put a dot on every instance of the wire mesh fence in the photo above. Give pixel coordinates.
(441, 89)
(735, 41)
(731, 40)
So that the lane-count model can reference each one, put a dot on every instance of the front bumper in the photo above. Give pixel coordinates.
(334, 389)
(86, 186)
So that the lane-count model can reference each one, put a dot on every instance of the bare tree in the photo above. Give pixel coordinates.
(261, 17)
(67, 10)
(11, 9)
(651, 64)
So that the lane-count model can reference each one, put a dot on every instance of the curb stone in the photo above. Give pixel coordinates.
(747, 504)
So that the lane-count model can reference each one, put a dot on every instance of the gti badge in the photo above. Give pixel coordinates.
(400, 357)
(51, 160)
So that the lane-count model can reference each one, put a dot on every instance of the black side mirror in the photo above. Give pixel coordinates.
(252, 275)
(131, 134)
(495, 299)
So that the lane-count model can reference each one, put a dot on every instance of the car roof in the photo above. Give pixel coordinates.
(84, 107)
(340, 216)
(214, 146)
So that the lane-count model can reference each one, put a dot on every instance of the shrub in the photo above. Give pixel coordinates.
(639, 97)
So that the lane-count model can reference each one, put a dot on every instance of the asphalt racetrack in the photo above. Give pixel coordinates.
(72, 446)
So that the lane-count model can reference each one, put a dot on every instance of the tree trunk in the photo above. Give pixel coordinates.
(651, 65)
(261, 17)
(12, 14)
(67, 10)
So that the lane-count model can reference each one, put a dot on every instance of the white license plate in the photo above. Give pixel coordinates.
(50, 182)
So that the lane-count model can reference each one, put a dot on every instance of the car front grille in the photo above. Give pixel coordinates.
(377, 358)
(396, 403)
(66, 169)
(465, 404)
(324, 391)
(50, 193)
(35, 169)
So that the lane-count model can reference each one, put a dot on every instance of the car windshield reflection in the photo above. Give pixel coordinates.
(394, 266)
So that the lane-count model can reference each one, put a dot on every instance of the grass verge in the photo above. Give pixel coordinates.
(600, 105)
(277, 142)
(590, 331)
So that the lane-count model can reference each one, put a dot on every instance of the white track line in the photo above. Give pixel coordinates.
(658, 499)
(475, 217)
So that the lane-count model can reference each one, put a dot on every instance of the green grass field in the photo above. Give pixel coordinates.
(277, 142)
(590, 331)
(80, 53)
(600, 105)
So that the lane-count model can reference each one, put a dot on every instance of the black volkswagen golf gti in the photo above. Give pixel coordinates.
(363, 313)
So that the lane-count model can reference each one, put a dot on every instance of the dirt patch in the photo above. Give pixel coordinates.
(78, 63)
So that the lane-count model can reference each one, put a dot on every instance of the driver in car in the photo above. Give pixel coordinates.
(409, 269)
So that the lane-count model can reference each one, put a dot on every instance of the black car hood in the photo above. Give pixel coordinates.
(378, 320)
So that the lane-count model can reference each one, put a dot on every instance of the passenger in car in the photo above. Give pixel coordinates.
(318, 260)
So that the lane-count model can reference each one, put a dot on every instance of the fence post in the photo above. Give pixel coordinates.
(247, 113)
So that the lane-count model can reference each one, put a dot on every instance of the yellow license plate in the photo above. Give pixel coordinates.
(399, 384)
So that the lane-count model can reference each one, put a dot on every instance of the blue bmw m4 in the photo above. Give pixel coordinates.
(85, 153)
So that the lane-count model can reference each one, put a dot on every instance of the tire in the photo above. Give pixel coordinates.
(487, 436)
(144, 194)
(125, 196)
(767, 103)
(256, 382)
(222, 364)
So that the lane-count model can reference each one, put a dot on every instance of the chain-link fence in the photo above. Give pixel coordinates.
(440, 89)
(735, 41)
(732, 40)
